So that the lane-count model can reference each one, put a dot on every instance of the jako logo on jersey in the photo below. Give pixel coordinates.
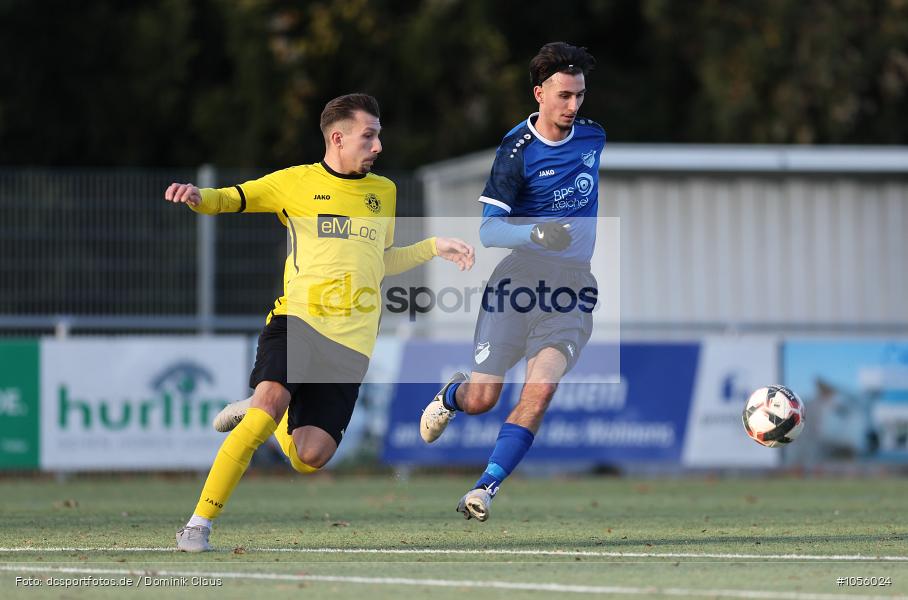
(584, 184)
(321, 197)
(482, 352)
(341, 226)
(546, 172)
(588, 158)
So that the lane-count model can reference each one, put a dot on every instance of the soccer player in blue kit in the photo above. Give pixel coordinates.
(541, 200)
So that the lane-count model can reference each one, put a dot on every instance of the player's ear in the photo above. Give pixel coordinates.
(337, 138)
(537, 93)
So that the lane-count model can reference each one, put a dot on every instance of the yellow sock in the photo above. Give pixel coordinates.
(232, 460)
(289, 447)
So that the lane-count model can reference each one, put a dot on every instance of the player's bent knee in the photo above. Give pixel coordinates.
(314, 448)
(313, 459)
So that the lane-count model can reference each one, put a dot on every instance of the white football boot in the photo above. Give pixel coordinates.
(231, 416)
(193, 539)
(435, 417)
(476, 504)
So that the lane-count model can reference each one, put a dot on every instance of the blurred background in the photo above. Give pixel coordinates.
(757, 162)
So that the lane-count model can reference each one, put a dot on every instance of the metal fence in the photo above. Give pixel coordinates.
(100, 250)
(775, 239)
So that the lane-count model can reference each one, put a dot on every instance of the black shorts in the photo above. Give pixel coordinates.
(324, 376)
(547, 305)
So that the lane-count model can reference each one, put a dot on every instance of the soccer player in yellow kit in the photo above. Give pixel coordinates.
(340, 220)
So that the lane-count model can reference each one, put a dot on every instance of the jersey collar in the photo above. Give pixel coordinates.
(539, 136)
(341, 175)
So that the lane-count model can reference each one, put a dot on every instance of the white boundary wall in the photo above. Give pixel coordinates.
(739, 236)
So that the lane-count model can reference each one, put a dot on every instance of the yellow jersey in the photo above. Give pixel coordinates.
(338, 228)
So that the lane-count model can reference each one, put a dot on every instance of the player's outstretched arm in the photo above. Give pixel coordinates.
(210, 201)
(497, 232)
(185, 193)
(398, 260)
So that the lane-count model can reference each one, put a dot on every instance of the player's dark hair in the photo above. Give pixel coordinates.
(559, 57)
(343, 107)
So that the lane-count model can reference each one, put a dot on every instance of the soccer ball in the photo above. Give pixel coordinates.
(773, 416)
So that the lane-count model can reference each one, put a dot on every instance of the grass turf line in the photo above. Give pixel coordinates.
(757, 516)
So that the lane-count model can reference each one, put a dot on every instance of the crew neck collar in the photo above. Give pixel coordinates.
(542, 138)
(341, 175)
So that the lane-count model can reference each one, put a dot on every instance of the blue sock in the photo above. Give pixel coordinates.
(512, 445)
(450, 400)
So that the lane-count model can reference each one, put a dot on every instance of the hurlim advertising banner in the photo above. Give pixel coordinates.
(136, 403)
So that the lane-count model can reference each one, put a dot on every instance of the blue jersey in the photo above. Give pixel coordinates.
(534, 180)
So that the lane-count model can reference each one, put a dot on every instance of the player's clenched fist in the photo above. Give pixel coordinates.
(183, 192)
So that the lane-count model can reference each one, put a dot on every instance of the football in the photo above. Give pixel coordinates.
(773, 416)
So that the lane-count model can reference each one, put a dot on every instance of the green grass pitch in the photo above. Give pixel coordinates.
(572, 537)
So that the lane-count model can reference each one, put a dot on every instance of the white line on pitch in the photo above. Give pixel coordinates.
(486, 552)
(453, 583)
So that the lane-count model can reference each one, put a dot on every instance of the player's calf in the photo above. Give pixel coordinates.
(480, 396)
(530, 409)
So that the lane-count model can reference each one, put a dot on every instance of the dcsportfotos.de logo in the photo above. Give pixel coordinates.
(339, 298)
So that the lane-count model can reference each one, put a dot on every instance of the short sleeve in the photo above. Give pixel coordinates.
(505, 181)
(490, 210)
